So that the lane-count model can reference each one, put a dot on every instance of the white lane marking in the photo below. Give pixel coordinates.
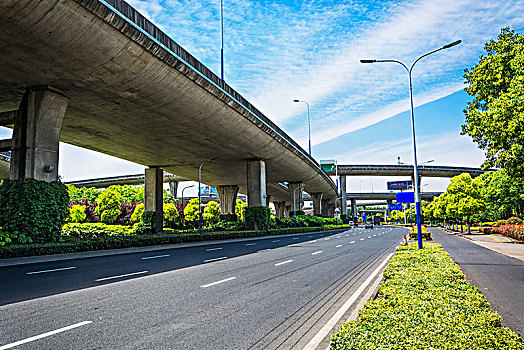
(295, 238)
(327, 239)
(315, 253)
(250, 244)
(295, 245)
(347, 235)
(155, 257)
(44, 335)
(263, 250)
(277, 240)
(44, 271)
(211, 249)
(352, 242)
(315, 241)
(374, 235)
(362, 239)
(313, 344)
(126, 275)
(338, 246)
(218, 282)
(283, 262)
(215, 259)
(310, 236)
(369, 236)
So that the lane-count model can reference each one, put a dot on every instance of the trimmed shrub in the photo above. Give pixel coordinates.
(108, 205)
(257, 218)
(514, 221)
(413, 233)
(32, 208)
(137, 213)
(227, 218)
(94, 230)
(77, 213)
(171, 215)
(425, 303)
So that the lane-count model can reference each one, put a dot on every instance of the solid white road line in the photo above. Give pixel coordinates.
(352, 242)
(313, 344)
(247, 244)
(215, 259)
(212, 249)
(43, 335)
(155, 257)
(315, 253)
(283, 262)
(263, 250)
(126, 275)
(338, 246)
(217, 282)
(44, 271)
(277, 240)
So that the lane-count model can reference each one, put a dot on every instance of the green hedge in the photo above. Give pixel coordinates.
(258, 218)
(168, 237)
(32, 208)
(426, 303)
(95, 230)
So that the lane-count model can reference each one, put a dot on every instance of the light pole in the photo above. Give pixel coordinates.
(199, 200)
(183, 216)
(221, 42)
(409, 70)
(371, 184)
(308, 123)
(294, 201)
(360, 185)
(336, 219)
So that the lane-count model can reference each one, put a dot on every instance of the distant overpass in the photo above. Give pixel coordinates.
(388, 196)
(405, 170)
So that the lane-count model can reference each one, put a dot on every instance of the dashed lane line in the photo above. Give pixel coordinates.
(120, 276)
(53, 270)
(44, 335)
(213, 249)
(248, 244)
(218, 282)
(155, 257)
(216, 259)
(283, 262)
(318, 252)
(338, 246)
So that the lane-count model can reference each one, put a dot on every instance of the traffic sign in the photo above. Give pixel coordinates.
(405, 197)
(395, 207)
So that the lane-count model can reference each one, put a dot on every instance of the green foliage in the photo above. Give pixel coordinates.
(227, 218)
(426, 234)
(495, 117)
(240, 209)
(34, 209)
(504, 195)
(149, 221)
(94, 230)
(109, 205)
(171, 215)
(211, 213)
(77, 213)
(191, 212)
(258, 218)
(514, 221)
(425, 303)
(137, 213)
(168, 198)
(5, 238)
(80, 193)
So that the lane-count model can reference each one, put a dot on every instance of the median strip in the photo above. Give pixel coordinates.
(44, 335)
(218, 282)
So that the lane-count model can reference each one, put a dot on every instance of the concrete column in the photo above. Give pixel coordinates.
(354, 208)
(325, 207)
(316, 198)
(298, 194)
(268, 199)
(343, 195)
(287, 210)
(153, 195)
(280, 208)
(331, 209)
(256, 183)
(173, 187)
(228, 198)
(36, 134)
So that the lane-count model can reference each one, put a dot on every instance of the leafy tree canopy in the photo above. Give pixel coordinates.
(495, 117)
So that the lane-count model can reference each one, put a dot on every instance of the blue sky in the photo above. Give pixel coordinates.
(277, 51)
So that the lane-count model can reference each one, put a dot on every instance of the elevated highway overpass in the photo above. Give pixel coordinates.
(107, 79)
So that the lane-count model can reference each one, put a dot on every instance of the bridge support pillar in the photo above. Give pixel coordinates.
(331, 208)
(316, 198)
(343, 198)
(173, 188)
(228, 198)
(388, 211)
(280, 209)
(354, 209)
(153, 195)
(292, 186)
(36, 134)
(287, 210)
(256, 183)
(325, 207)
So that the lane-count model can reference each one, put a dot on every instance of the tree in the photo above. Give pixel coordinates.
(495, 117)
(464, 198)
(191, 212)
(211, 212)
(137, 213)
(504, 196)
(240, 209)
(171, 216)
(108, 205)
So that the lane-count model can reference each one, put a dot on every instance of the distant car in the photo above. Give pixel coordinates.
(368, 226)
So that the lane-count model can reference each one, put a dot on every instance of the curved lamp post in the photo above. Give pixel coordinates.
(294, 201)
(308, 124)
(183, 216)
(199, 200)
(336, 219)
(409, 70)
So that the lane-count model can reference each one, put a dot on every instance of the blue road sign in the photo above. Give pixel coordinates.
(364, 217)
(395, 207)
(406, 197)
(400, 185)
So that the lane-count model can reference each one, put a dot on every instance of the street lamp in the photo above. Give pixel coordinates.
(294, 201)
(308, 123)
(221, 42)
(199, 200)
(183, 216)
(336, 219)
(426, 162)
(371, 184)
(409, 70)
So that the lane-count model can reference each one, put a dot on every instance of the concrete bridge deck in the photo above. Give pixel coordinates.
(137, 95)
(406, 170)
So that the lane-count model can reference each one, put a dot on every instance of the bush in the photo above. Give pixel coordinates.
(171, 216)
(227, 218)
(32, 208)
(126, 211)
(108, 205)
(95, 230)
(513, 221)
(77, 213)
(413, 234)
(257, 218)
(137, 213)
(513, 231)
(425, 303)
(499, 223)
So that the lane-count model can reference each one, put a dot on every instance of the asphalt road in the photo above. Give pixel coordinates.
(265, 293)
(499, 277)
